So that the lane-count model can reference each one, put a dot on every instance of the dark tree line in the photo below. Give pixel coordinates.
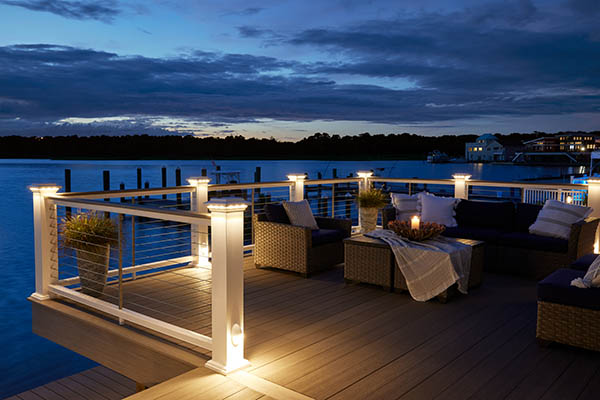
(319, 146)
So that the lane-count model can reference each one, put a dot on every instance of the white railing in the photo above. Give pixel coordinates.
(169, 240)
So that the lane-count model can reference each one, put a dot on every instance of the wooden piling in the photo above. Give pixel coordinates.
(68, 189)
(139, 181)
(106, 185)
(257, 177)
(147, 186)
(163, 172)
(178, 183)
(122, 187)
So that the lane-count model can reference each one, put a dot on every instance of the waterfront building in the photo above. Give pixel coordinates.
(577, 142)
(543, 144)
(485, 148)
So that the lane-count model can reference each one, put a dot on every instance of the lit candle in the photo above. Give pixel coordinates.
(414, 222)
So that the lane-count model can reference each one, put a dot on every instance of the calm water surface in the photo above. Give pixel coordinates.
(27, 360)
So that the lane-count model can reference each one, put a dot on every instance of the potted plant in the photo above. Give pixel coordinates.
(369, 203)
(90, 235)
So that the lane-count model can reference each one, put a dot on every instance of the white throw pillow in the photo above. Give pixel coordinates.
(405, 205)
(438, 209)
(555, 219)
(591, 278)
(300, 214)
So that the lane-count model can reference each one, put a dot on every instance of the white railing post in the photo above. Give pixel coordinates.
(461, 186)
(227, 227)
(45, 227)
(297, 189)
(364, 183)
(199, 197)
(594, 196)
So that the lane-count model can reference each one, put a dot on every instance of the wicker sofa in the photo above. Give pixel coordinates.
(510, 248)
(277, 244)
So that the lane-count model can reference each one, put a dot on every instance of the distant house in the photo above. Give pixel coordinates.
(577, 142)
(485, 148)
(549, 144)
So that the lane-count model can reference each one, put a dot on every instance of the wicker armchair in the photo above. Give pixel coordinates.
(291, 248)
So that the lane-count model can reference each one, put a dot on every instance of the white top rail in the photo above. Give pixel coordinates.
(414, 180)
(253, 185)
(128, 192)
(331, 181)
(186, 217)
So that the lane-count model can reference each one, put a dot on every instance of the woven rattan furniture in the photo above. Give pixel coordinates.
(567, 314)
(370, 260)
(290, 248)
(518, 252)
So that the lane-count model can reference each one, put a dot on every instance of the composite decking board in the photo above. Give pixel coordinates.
(327, 348)
(106, 391)
(246, 394)
(574, 380)
(81, 390)
(311, 333)
(29, 396)
(339, 373)
(501, 358)
(591, 390)
(121, 390)
(62, 390)
(392, 371)
(116, 377)
(46, 393)
(543, 375)
(463, 364)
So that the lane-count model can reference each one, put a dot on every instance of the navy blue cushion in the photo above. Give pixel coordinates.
(523, 240)
(525, 216)
(584, 262)
(324, 236)
(276, 213)
(485, 214)
(556, 288)
(470, 232)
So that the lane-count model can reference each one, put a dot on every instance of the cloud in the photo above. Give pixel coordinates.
(420, 68)
(100, 10)
(246, 12)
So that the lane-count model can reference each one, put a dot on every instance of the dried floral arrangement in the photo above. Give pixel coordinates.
(427, 230)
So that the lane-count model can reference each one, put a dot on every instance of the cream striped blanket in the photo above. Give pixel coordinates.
(429, 267)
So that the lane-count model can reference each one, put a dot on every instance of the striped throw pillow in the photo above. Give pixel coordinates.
(300, 214)
(405, 205)
(555, 219)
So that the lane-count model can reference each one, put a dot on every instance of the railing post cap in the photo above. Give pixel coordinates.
(296, 177)
(227, 204)
(44, 188)
(364, 174)
(592, 181)
(195, 180)
(459, 176)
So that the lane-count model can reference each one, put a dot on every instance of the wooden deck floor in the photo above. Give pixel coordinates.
(327, 340)
(97, 383)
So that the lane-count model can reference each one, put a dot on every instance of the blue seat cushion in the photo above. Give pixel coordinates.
(584, 262)
(525, 216)
(325, 236)
(556, 288)
(276, 213)
(470, 232)
(523, 240)
(485, 214)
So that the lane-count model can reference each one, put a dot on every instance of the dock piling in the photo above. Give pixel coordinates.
(163, 172)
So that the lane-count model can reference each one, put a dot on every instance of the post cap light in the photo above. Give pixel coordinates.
(195, 180)
(593, 181)
(364, 174)
(45, 188)
(227, 204)
(296, 177)
(466, 177)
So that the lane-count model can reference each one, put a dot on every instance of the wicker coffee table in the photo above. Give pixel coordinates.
(370, 260)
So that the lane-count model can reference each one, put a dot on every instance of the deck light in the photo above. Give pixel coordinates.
(236, 335)
(195, 180)
(364, 174)
(569, 199)
(466, 177)
(45, 188)
(296, 177)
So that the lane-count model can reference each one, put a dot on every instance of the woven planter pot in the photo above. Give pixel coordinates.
(93, 269)
(368, 219)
